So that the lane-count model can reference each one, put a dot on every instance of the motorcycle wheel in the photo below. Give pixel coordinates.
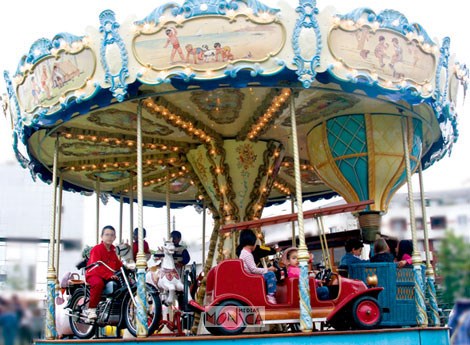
(79, 328)
(154, 311)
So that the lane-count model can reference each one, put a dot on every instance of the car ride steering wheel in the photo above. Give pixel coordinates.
(324, 275)
(279, 271)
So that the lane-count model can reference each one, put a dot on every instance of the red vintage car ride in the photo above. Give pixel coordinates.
(233, 298)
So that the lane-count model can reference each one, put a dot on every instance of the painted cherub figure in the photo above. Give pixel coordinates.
(175, 43)
(380, 50)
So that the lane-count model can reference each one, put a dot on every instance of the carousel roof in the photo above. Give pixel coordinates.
(214, 82)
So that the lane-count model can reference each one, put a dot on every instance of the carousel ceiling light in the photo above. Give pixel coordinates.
(263, 120)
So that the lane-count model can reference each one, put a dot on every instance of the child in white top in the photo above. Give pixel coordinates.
(247, 243)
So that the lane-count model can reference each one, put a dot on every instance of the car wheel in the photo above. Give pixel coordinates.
(366, 312)
(226, 318)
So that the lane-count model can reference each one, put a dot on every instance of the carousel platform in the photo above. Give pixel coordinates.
(403, 336)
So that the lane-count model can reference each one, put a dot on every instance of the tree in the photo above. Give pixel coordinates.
(454, 267)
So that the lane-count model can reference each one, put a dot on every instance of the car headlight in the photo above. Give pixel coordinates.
(372, 280)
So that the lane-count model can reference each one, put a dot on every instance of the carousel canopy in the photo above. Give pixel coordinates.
(216, 83)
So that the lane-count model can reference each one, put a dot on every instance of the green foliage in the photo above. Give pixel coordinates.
(454, 267)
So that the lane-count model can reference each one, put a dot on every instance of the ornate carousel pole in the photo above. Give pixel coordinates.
(50, 331)
(306, 22)
(207, 266)
(168, 207)
(131, 208)
(306, 324)
(59, 227)
(98, 195)
(292, 209)
(421, 316)
(121, 202)
(430, 287)
(141, 319)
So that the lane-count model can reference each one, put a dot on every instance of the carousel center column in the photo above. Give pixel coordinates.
(237, 176)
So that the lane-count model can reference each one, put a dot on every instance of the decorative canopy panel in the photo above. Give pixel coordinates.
(216, 80)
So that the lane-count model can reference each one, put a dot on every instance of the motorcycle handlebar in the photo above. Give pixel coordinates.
(99, 263)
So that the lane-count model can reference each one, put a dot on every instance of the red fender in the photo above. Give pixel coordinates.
(372, 292)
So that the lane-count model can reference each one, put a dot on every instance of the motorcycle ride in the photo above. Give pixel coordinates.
(117, 305)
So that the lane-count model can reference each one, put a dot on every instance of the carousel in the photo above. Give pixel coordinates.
(237, 105)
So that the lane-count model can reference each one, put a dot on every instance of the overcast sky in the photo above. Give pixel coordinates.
(23, 22)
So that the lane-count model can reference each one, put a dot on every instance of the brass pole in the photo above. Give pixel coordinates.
(50, 329)
(421, 316)
(98, 193)
(306, 324)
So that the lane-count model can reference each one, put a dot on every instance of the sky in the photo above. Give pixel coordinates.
(23, 22)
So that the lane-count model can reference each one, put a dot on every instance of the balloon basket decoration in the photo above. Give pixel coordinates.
(369, 223)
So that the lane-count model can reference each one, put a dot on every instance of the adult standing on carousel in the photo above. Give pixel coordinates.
(99, 274)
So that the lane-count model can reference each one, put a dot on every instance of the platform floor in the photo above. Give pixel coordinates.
(403, 336)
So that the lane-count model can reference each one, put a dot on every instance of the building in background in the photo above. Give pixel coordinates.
(25, 225)
(445, 210)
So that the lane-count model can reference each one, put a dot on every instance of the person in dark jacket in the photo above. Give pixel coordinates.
(381, 252)
(181, 255)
